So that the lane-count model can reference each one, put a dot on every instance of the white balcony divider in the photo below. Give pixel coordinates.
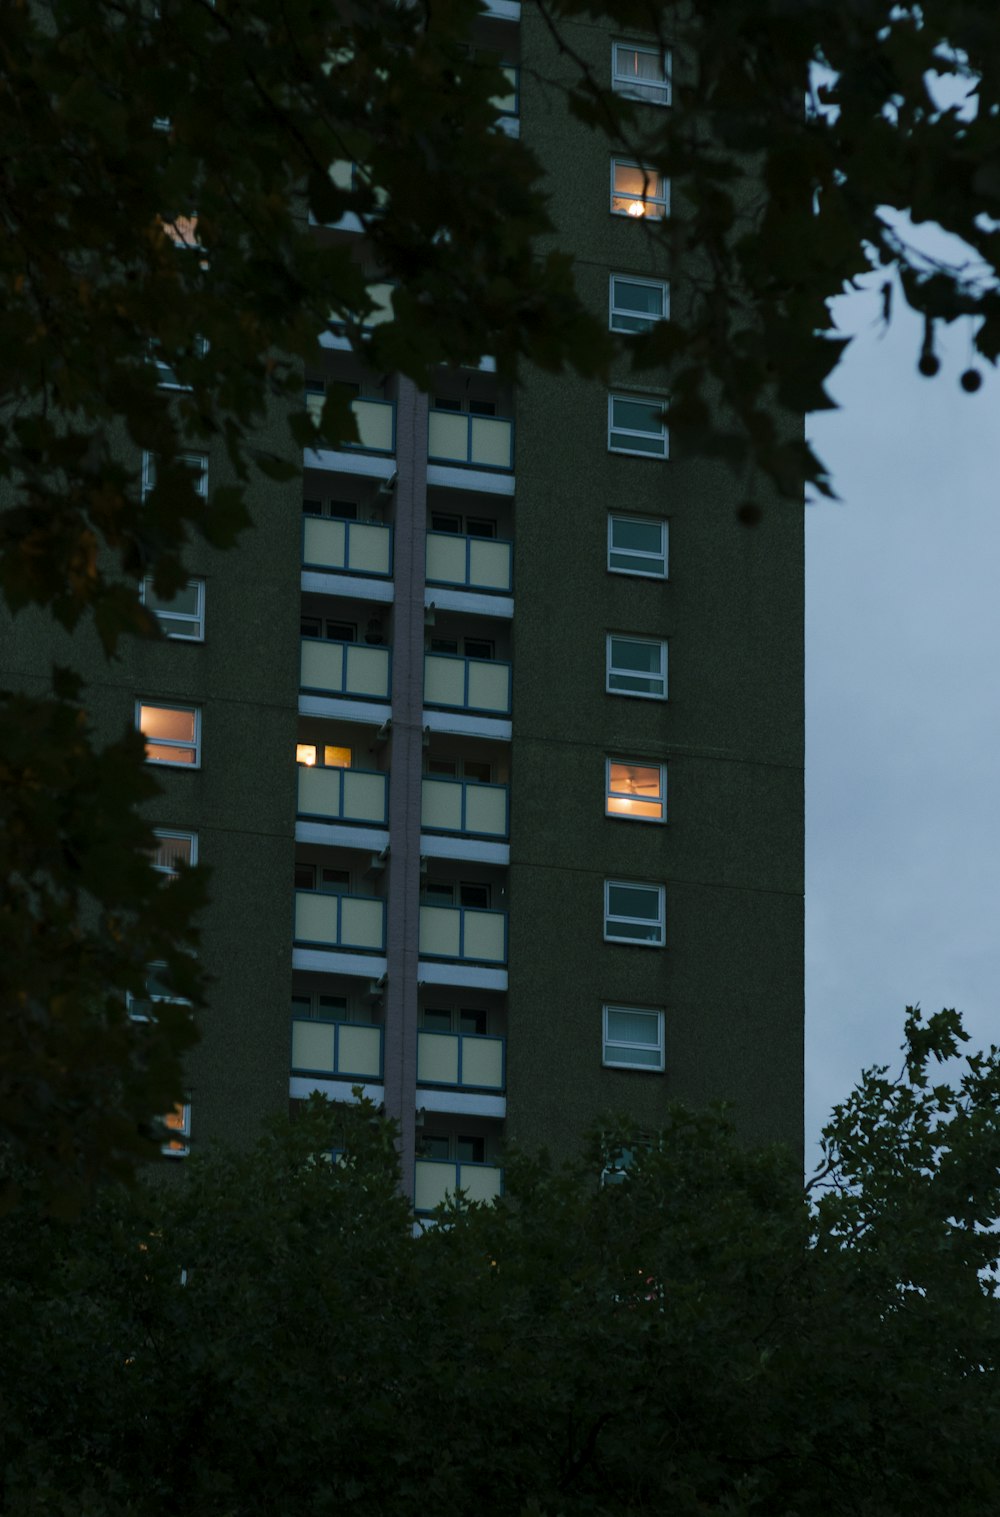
(436, 1179)
(352, 547)
(337, 1048)
(344, 795)
(479, 563)
(345, 669)
(464, 806)
(464, 1059)
(340, 921)
(466, 684)
(464, 932)
(482, 442)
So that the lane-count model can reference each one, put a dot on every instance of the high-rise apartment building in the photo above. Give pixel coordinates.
(493, 738)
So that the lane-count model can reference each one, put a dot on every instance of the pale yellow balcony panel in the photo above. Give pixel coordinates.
(441, 805)
(321, 665)
(313, 1046)
(367, 671)
(437, 1058)
(324, 542)
(315, 917)
(492, 444)
(319, 792)
(375, 422)
(359, 1051)
(365, 797)
(485, 937)
(481, 1182)
(490, 564)
(486, 810)
(482, 1063)
(479, 563)
(489, 686)
(444, 680)
(446, 557)
(362, 923)
(448, 436)
(441, 931)
(432, 1182)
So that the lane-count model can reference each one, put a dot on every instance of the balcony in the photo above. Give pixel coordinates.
(344, 795)
(464, 933)
(473, 563)
(374, 419)
(354, 669)
(468, 807)
(465, 1060)
(327, 920)
(479, 442)
(436, 1179)
(347, 547)
(467, 684)
(346, 1050)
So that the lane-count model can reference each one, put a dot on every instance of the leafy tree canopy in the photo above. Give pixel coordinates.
(702, 1337)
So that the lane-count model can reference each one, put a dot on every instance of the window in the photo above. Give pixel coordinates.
(637, 424)
(633, 1037)
(178, 1125)
(332, 881)
(641, 73)
(637, 545)
(637, 666)
(634, 913)
(334, 632)
(637, 792)
(636, 191)
(159, 987)
(166, 376)
(181, 616)
(173, 849)
(172, 733)
(196, 462)
(323, 1008)
(636, 305)
(465, 1020)
(326, 754)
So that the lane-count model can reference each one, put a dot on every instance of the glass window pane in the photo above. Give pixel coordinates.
(167, 722)
(641, 901)
(170, 755)
(628, 1026)
(336, 758)
(637, 415)
(640, 536)
(632, 180)
(645, 298)
(642, 657)
(172, 850)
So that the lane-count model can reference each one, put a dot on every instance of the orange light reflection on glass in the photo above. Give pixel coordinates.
(634, 790)
(305, 753)
(337, 758)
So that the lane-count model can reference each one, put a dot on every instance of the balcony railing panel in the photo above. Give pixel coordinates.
(464, 932)
(479, 563)
(352, 547)
(347, 1049)
(344, 795)
(469, 684)
(374, 419)
(465, 806)
(345, 669)
(340, 921)
(466, 1060)
(482, 442)
(436, 1179)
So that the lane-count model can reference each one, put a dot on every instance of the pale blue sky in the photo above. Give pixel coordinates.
(902, 706)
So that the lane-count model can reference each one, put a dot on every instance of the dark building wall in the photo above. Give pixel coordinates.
(730, 976)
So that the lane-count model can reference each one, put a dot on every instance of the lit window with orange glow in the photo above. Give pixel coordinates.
(636, 791)
(336, 758)
(178, 1125)
(637, 191)
(305, 753)
(172, 733)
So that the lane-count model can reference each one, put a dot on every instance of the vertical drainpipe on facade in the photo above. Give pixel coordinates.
(405, 769)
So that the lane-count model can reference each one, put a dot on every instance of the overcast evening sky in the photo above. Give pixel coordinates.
(902, 706)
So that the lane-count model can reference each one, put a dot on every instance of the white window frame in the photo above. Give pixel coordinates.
(196, 462)
(637, 553)
(657, 402)
(131, 1001)
(612, 669)
(607, 1042)
(170, 620)
(660, 920)
(628, 315)
(660, 202)
(625, 83)
(622, 795)
(169, 742)
(172, 832)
